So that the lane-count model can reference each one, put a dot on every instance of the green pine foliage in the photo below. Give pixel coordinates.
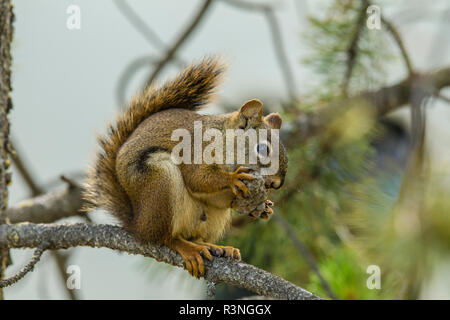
(329, 38)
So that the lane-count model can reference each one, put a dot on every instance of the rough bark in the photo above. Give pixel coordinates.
(57, 236)
(48, 207)
(6, 30)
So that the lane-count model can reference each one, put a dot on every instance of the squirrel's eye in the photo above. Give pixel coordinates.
(263, 150)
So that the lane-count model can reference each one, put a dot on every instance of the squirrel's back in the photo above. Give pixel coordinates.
(191, 89)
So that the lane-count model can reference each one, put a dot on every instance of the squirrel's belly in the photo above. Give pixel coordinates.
(212, 224)
(202, 224)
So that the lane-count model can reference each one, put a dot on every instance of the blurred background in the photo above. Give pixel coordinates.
(364, 188)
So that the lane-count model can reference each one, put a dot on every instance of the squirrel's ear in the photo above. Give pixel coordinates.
(274, 120)
(251, 110)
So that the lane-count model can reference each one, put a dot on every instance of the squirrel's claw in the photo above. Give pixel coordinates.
(265, 215)
(262, 214)
(193, 255)
(230, 252)
(224, 251)
(237, 186)
(233, 253)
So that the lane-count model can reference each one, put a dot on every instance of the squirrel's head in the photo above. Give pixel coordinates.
(267, 149)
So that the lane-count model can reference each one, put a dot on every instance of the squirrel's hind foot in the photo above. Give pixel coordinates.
(192, 254)
(223, 251)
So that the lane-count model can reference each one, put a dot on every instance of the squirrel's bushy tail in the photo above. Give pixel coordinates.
(191, 89)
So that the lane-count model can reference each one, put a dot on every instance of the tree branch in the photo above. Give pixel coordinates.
(6, 34)
(396, 36)
(124, 78)
(140, 25)
(36, 191)
(28, 268)
(442, 97)
(61, 260)
(184, 36)
(352, 50)
(281, 54)
(277, 40)
(24, 172)
(48, 207)
(249, 5)
(379, 103)
(28, 235)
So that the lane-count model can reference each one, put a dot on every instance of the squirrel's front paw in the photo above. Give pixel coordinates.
(268, 211)
(237, 186)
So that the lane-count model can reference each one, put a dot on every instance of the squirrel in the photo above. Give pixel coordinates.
(186, 207)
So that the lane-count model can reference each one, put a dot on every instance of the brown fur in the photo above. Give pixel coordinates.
(190, 90)
(184, 206)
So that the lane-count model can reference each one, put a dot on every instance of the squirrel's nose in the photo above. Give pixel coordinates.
(274, 182)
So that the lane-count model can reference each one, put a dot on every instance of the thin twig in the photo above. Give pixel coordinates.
(393, 31)
(410, 203)
(352, 50)
(419, 98)
(28, 268)
(303, 250)
(48, 207)
(135, 65)
(72, 184)
(442, 97)
(152, 38)
(247, 5)
(143, 28)
(25, 172)
(77, 175)
(61, 266)
(277, 41)
(170, 54)
(281, 54)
